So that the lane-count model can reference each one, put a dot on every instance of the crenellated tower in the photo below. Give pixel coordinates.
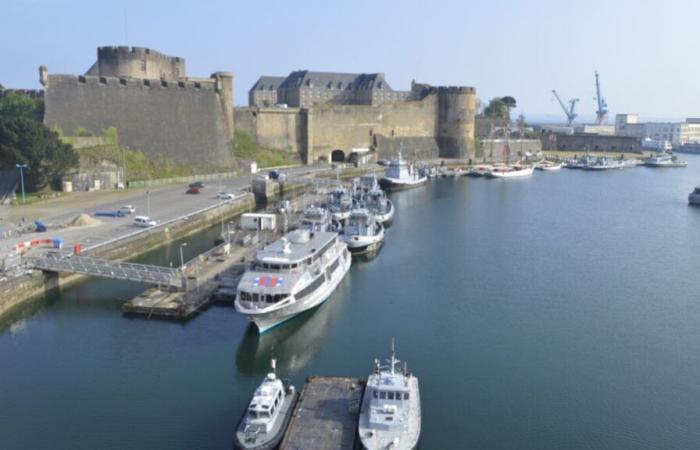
(136, 62)
(455, 121)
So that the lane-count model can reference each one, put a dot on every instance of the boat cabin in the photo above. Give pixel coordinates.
(265, 405)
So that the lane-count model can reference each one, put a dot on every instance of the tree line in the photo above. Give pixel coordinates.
(24, 139)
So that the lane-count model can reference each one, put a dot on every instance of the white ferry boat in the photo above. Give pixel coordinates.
(400, 174)
(363, 232)
(390, 415)
(264, 422)
(292, 275)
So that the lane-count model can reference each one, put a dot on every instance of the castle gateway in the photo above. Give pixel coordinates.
(154, 106)
(331, 116)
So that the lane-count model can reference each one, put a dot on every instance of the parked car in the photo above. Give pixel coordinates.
(383, 162)
(193, 190)
(127, 209)
(144, 222)
(196, 184)
(225, 195)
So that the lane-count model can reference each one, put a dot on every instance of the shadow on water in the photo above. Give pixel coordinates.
(294, 343)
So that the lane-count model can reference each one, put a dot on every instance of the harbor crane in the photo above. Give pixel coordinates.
(570, 114)
(602, 111)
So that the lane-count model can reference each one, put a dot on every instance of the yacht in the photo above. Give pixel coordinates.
(339, 203)
(664, 160)
(363, 232)
(293, 274)
(400, 174)
(264, 422)
(694, 197)
(390, 415)
(379, 205)
(510, 171)
(316, 218)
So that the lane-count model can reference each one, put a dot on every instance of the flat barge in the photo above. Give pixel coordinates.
(326, 415)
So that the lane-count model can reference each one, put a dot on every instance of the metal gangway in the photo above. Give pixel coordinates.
(164, 276)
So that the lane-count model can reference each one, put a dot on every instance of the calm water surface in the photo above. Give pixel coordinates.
(560, 311)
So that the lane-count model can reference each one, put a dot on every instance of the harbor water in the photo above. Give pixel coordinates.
(557, 311)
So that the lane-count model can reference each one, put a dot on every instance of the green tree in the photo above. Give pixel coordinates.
(27, 141)
(14, 104)
(496, 109)
(521, 123)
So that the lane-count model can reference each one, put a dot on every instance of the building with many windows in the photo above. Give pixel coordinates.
(677, 133)
(303, 89)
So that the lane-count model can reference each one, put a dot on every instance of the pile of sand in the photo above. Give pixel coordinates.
(83, 220)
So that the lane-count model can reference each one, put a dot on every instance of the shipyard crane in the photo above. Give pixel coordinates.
(602, 112)
(570, 114)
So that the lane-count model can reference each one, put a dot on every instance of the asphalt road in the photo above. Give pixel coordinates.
(160, 203)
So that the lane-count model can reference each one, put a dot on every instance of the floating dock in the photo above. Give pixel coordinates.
(326, 415)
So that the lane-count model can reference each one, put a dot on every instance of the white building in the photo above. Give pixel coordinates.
(673, 132)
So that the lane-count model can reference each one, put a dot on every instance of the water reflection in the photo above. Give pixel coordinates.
(294, 343)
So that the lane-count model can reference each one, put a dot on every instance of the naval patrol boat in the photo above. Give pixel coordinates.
(382, 208)
(363, 232)
(390, 415)
(293, 274)
(264, 422)
(316, 218)
(339, 203)
(399, 174)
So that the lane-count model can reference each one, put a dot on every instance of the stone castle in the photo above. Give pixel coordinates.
(155, 107)
(330, 116)
(158, 109)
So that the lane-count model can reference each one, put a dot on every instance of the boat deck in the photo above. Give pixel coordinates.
(326, 415)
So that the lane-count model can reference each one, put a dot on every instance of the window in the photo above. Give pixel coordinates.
(405, 395)
(391, 395)
(311, 287)
(382, 395)
(255, 297)
(374, 394)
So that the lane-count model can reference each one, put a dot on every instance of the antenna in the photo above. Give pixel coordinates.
(393, 356)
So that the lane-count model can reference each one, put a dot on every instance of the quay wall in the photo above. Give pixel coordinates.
(22, 290)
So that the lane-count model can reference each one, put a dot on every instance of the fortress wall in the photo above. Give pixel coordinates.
(184, 120)
(278, 128)
(355, 126)
(138, 62)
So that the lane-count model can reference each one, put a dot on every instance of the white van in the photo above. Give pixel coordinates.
(144, 222)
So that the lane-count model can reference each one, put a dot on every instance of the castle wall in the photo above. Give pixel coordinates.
(277, 128)
(191, 122)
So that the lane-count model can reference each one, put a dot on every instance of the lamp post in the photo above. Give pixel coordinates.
(21, 178)
(182, 256)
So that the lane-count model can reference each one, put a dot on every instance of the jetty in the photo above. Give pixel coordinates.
(326, 415)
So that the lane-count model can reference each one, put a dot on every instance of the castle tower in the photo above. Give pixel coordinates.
(224, 86)
(455, 125)
(136, 62)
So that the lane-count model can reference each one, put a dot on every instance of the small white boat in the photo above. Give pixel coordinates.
(604, 163)
(264, 422)
(510, 171)
(549, 166)
(664, 160)
(363, 233)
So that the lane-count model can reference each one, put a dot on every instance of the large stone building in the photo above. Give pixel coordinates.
(303, 89)
(330, 116)
(155, 107)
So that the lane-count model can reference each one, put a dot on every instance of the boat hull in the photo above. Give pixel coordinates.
(510, 174)
(393, 184)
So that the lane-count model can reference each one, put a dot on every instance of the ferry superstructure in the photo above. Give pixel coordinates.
(390, 415)
(292, 275)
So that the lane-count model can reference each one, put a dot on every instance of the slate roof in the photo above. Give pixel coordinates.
(267, 83)
(335, 80)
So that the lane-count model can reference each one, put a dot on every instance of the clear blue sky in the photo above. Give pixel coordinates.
(646, 51)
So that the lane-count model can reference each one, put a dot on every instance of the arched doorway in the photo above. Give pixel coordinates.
(337, 156)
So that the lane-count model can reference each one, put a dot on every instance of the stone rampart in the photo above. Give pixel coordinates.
(188, 120)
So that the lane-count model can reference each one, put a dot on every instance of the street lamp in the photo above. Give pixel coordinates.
(182, 256)
(21, 178)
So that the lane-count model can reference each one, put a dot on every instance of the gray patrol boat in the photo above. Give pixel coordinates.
(390, 415)
(292, 275)
(264, 422)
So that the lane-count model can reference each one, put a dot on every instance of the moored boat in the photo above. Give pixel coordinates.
(363, 233)
(293, 274)
(509, 171)
(664, 160)
(378, 204)
(339, 203)
(694, 197)
(400, 174)
(390, 415)
(548, 166)
(267, 416)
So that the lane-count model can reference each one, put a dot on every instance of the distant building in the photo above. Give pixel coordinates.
(580, 142)
(677, 133)
(303, 89)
